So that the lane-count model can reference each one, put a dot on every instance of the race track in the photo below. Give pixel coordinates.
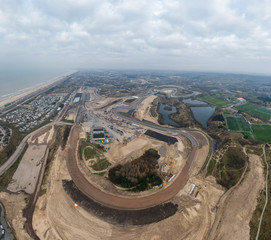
(120, 202)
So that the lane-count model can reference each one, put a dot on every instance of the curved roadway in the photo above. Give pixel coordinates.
(121, 202)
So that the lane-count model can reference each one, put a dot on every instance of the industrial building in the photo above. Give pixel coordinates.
(77, 97)
(98, 133)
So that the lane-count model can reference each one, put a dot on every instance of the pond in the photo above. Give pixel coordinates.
(202, 114)
(166, 110)
(160, 95)
(193, 101)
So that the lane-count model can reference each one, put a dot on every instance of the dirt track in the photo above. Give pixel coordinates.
(121, 202)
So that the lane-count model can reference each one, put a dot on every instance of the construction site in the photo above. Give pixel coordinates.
(79, 200)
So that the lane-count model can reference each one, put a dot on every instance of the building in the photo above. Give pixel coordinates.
(77, 97)
(98, 133)
(241, 100)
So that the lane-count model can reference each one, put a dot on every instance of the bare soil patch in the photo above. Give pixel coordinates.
(237, 206)
(143, 110)
(26, 176)
(120, 217)
(14, 205)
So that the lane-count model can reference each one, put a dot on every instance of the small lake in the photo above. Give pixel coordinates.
(193, 101)
(202, 114)
(164, 110)
(160, 95)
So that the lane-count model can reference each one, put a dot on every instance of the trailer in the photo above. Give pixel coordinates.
(169, 180)
(192, 189)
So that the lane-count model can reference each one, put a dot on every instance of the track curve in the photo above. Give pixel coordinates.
(120, 202)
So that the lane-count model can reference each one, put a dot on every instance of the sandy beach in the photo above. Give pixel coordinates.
(23, 94)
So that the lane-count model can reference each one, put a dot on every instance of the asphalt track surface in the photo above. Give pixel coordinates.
(120, 202)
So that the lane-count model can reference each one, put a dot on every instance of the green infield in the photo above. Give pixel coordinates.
(237, 124)
(255, 110)
(264, 110)
(213, 100)
(260, 133)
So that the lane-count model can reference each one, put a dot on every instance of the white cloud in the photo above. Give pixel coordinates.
(205, 35)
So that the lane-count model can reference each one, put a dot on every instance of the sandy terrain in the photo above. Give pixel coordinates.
(26, 175)
(121, 153)
(131, 150)
(55, 215)
(30, 91)
(240, 202)
(167, 92)
(57, 218)
(14, 205)
(142, 112)
(98, 101)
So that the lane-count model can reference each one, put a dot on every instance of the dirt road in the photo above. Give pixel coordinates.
(235, 212)
(116, 201)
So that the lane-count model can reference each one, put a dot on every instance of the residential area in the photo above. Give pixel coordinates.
(33, 113)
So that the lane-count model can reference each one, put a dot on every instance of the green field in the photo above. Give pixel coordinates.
(260, 133)
(264, 110)
(213, 100)
(255, 110)
(228, 169)
(238, 124)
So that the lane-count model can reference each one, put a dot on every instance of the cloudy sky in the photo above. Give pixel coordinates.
(209, 35)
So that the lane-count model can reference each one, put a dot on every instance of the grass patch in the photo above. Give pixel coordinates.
(100, 164)
(229, 168)
(211, 166)
(67, 121)
(260, 133)
(255, 110)
(100, 173)
(6, 177)
(62, 135)
(14, 141)
(237, 124)
(153, 111)
(213, 100)
(90, 152)
(83, 145)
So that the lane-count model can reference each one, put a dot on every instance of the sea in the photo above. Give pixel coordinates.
(14, 81)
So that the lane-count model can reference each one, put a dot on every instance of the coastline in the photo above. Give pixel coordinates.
(23, 93)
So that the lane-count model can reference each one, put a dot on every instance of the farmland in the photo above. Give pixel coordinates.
(260, 133)
(255, 110)
(213, 100)
(238, 124)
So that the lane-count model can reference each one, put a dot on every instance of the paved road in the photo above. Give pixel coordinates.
(152, 125)
(5, 166)
(121, 202)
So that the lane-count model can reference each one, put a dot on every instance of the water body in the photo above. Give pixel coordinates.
(16, 81)
(193, 101)
(166, 113)
(202, 114)
(160, 95)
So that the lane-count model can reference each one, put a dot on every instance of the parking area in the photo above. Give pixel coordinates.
(5, 231)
